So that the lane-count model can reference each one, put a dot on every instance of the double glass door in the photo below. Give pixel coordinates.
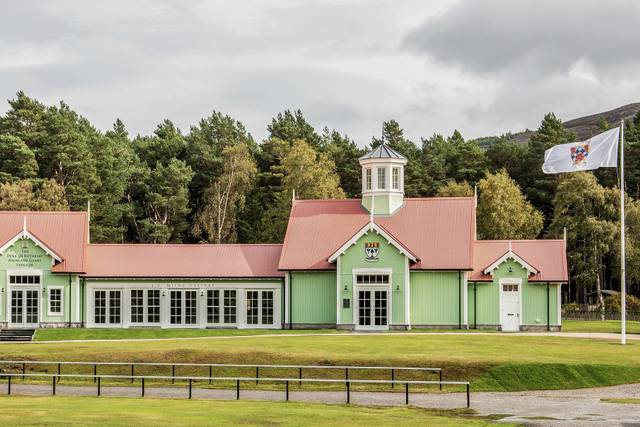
(260, 308)
(183, 308)
(25, 308)
(373, 309)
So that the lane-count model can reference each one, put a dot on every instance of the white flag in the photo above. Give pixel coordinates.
(600, 151)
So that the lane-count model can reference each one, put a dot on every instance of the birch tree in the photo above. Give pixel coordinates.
(226, 196)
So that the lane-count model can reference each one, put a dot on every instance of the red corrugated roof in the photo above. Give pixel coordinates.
(547, 256)
(188, 260)
(65, 233)
(438, 230)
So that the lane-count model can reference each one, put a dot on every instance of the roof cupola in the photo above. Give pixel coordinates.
(383, 180)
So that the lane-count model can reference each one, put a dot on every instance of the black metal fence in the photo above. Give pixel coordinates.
(595, 315)
(259, 370)
(191, 381)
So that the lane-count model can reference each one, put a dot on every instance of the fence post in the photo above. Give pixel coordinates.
(346, 373)
(24, 368)
(468, 397)
(209, 374)
(393, 375)
(257, 373)
(98, 386)
(9, 386)
(142, 394)
(406, 393)
(132, 373)
(440, 379)
(189, 388)
(287, 391)
(53, 385)
(173, 374)
(348, 393)
(300, 377)
(237, 389)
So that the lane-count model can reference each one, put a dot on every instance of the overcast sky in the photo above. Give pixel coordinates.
(483, 67)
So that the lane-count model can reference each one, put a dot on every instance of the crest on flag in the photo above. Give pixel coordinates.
(579, 153)
(371, 251)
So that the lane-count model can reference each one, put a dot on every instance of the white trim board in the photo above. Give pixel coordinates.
(24, 234)
(371, 226)
(510, 255)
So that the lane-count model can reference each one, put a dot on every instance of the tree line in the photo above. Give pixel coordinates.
(215, 183)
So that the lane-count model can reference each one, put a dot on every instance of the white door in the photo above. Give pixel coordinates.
(183, 308)
(24, 308)
(260, 309)
(373, 309)
(510, 307)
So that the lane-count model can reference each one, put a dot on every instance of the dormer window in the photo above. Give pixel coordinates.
(367, 178)
(382, 178)
(395, 179)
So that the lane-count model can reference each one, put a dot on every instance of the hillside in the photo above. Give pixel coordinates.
(587, 126)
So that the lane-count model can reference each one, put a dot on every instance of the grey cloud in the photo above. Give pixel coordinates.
(540, 36)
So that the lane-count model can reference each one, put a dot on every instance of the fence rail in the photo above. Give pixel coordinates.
(393, 370)
(55, 378)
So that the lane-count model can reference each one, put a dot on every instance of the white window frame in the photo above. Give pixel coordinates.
(145, 306)
(221, 306)
(396, 178)
(123, 304)
(368, 179)
(53, 313)
(372, 287)
(30, 286)
(382, 169)
(274, 305)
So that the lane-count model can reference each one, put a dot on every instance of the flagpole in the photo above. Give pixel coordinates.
(623, 285)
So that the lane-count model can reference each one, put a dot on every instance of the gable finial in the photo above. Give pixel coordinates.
(509, 245)
(24, 223)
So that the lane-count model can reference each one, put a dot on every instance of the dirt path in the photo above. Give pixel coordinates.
(553, 408)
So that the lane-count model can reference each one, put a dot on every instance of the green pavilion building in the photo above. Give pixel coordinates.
(376, 263)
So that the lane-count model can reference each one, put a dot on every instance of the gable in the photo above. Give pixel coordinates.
(388, 255)
(369, 229)
(25, 254)
(512, 256)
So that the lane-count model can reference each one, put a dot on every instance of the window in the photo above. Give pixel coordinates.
(229, 306)
(252, 307)
(510, 287)
(395, 179)
(153, 306)
(372, 279)
(213, 306)
(55, 301)
(114, 307)
(190, 302)
(100, 307)
(137, 306)
(267, 307)
(24, 279)
(367, 179)
(382, 178)
(176, 308)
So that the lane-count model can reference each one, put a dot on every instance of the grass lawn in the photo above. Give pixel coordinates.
(492, 362)
(58, 334)
(613, 326)
(106, 411)
(630, 401)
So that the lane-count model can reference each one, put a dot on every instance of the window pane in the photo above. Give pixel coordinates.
(175, 316)
(100, 307)
(267, 307)
(137, 306)
(114, 307)
(368, 178)
(382, 178)
(153, 306)
(229, 306)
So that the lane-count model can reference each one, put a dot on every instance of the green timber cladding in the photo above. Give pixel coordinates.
(25, 270)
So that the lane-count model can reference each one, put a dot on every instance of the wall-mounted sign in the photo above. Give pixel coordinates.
(22, 256)
(372, 251)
